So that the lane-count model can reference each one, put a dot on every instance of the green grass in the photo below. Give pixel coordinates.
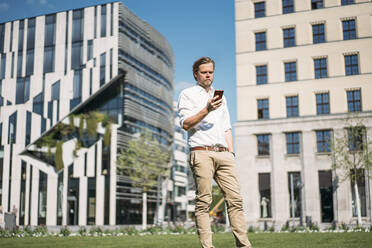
(221, 240)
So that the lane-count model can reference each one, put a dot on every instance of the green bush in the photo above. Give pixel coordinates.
(41, 230)
(95, 231)
(130, 231)
(65, 231)
(154, 229)
(82, 231)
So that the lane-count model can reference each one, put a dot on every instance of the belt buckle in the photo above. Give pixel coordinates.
(216, 148)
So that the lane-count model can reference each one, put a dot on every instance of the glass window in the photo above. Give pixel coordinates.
(76, 55)
(326, 195)
(111, 63)
(317, 4)
(30, 62)
(320, 68)
(294, 187)
(12, 66)
(2, 37)
(91, 201)
(60, 197)
(21, 35)
(263, 144)
(290, 69)
(292, 106)
(263, 108)
(77, 83)
(323, 140)
(43, 184)
(351, 65)
(103, 21)
(10, 37)
(12, 128)
(1, 176)
(293, 142)
(347, 2)
(22, 200)
(19, 64)
(55, 90)
(356, 138)
(49, 59)
(259, 9)
(349, 29)
(3, 65)
(38, 104)
(112, 20)
(261, 74)
(265, 194)
(260, 41)
(358, 177)
(354, 103)
(289, 39)
(322, 103)
(318, 33)
(22, 90)
(31, 34)
(90, 50)
(288, 6)
(28, 128)
(50, 34)
(102, 71)
(77, 25)
(95, 22)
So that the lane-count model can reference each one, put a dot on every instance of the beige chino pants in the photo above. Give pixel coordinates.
(220, 166)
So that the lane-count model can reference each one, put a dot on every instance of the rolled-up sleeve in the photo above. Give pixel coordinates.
(184, 107)
(226, 115)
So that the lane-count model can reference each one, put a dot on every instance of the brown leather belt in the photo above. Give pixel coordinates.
(209, 148)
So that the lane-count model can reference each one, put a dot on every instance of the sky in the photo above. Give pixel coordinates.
(194, 28)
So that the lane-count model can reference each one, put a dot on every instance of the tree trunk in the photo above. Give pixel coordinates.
(357, 202)
(144, 210)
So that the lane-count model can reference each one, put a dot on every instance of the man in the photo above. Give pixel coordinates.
(207, 120)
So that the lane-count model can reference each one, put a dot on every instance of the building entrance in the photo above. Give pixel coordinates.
(326, 195)
(71, 210)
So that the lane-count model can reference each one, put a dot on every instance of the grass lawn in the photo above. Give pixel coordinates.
(221, 240)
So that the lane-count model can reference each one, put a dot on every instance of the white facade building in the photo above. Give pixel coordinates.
(302, 66)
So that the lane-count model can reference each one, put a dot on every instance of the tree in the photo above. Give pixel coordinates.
(352, 155)
(143, 161)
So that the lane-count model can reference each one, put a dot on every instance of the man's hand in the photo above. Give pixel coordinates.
(214, 103)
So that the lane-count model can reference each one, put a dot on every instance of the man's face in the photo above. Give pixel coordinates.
(204, 75)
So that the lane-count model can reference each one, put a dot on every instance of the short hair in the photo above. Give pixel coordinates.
(200, 61)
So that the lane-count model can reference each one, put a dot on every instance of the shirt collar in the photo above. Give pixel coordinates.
(203, 90)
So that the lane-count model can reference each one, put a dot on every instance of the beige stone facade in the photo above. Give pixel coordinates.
(270, 171)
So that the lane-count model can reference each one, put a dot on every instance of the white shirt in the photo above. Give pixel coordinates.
(211, 130)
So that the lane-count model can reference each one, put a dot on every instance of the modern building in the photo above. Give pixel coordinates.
(55, 71)
(183, 192)
(302, 68)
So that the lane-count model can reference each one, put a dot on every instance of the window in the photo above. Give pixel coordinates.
(354, 103)
(12, 128)
(349, 29)
(2, 65)
(294, 187)
(260, 41)
(263, 108)
(318, 33)
(322, 103)
(21, 35)
(55, 90)
(320, 68)
(38, 104)
(31, 34)
(259, 9)
(293, 142)
(42, 210)
(103, 21)
(317, 4)
(358, 177)
(289, 39)
(77, 55)
(347, 2)
(91, 201)
(263, 144)
(356, 137)
(265, 194)
(2, 37)
(77, 84)
(326, 195)
(50, 30)
(351, 65)
(90, 50)
(77, 25)
(60, 197)
(112, 20)
(261, 74)
(95, 22)
(30, 62)
(288, 6)
(22, 200)
(290, 71)
(22, 90)
(19, 64)
(323, 140)
(102, 71)
(292, 106)
(49, 59)
(28, 128)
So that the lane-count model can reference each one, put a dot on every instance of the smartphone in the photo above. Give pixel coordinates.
(218, 93)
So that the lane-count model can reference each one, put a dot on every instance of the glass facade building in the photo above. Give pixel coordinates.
(57, 69)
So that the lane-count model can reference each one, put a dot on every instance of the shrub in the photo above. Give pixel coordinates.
(154, 229)
(82, 231)
(95, 231)
(41, 230)
(65, 231)
(130, 231)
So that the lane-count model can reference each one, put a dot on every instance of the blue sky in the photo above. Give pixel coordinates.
(194, 28)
